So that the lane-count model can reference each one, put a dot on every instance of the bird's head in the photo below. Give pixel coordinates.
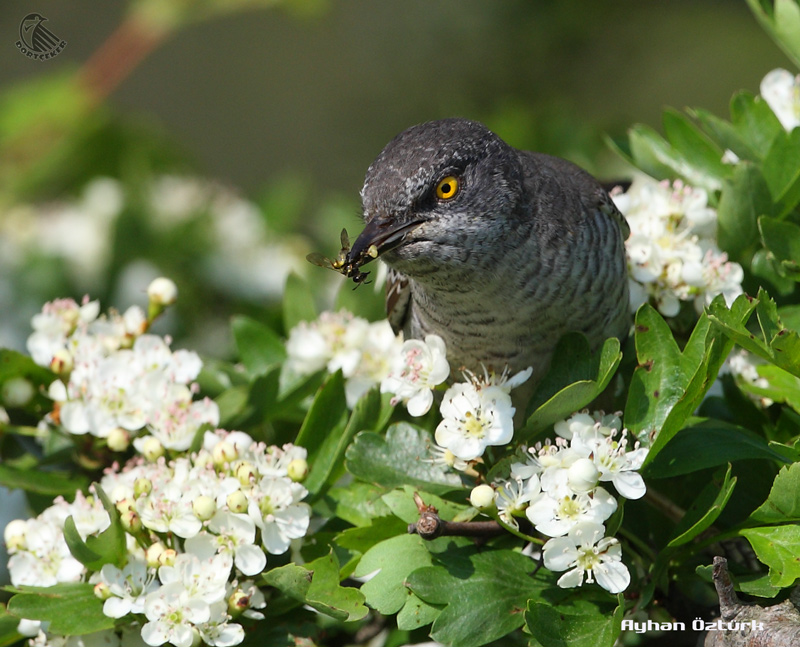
(439, 193)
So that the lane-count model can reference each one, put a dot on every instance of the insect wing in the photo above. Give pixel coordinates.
(321, 261)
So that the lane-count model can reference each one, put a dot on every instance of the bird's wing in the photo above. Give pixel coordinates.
(398, 298)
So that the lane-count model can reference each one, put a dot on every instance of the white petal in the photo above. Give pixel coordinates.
(571, 579)
(559, 554)
(250, 560)
(612, 576)
(421, 403)
(630, 485)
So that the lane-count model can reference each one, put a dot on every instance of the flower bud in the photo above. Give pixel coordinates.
(152, 449)
(482, 497)
(204, 507)
(62, 362)
(4, 419)
(162, 291)
(167, 558)
(131, 521)
(245, 472)
(102, 591)
(15, 535)
(237, 502)
(238, 602)
(223, 452)
(125, 505)
(142, 486)
(153, 553)
(17, 392)
(583, 475)
(297, 470)
(118, 440)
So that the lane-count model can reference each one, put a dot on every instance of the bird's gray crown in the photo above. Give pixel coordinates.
(403, 177)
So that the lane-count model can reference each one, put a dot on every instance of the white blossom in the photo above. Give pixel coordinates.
(672, 252)
(586, 554)
(781, 90)
(419, 367)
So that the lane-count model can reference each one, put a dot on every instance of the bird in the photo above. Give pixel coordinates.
(498, 251)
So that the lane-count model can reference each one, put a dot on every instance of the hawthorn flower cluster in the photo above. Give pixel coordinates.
(339, 340)
(672, 251)
(198, 524)
(115, 381)
(197, 529)
(558, 488)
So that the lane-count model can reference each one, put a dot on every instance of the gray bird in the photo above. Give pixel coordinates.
(498, 251)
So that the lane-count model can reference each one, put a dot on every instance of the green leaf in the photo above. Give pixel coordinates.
(783, 503)
(14, 364)
(323, 429)
(708, 444)
(744, 198)
(298, 302)
(583, 625)
(755, 122)
(361, 539)
(658, 158)
(317, 585)
(356, 503)
(783, 24)
(8, 628)
(694, 145)
(764, 266)
(258, 346)
(402, 458)
(106, 548)
(40, 482)
(723, 133)
(782, 240)
(668, 385)
(775, 343)
(705, 509)
(781, 169)
(485, 594)
(394, 559)
(327, 465)
(778, 548)
(72, 609)
(572, 382)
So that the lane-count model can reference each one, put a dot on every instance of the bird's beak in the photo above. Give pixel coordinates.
(380, 235)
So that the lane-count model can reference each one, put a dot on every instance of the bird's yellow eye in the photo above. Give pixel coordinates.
(447, 188)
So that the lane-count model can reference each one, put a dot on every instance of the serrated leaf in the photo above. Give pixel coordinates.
(668, 385)
(401, 458)
(776, 344)
(704, 510)
(394, 559)
(402, 504)
(357, 503)
(782, 240)
(783, 503)
(485, 594)
(259, 347)
(361, 539)
(298, 302)
(317, 585)
(745, 197)
(563, 626)
(572, 382)
(708, 444)
(72, 609)
(8, 628)
(106, 548)
(778, 548)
